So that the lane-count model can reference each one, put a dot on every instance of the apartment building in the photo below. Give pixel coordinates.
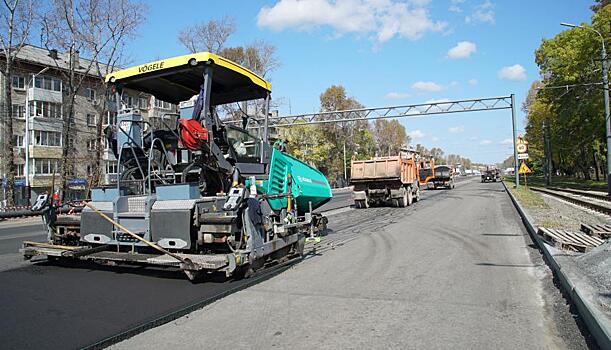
(38, 81)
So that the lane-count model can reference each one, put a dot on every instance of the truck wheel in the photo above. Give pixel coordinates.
(410, 197)
(417, 196)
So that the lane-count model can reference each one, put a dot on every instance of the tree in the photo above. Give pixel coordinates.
(599, 4)
(574, 116)
(207, 36)
(259, 56)
(355, 137)
(111, 25)
(98, 29)
(437, 154)
(389, 136)
(15, 24)
(308, 143)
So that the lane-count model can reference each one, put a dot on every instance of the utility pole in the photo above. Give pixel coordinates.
(550, 166)
(345, 175)
(605, 95)
(515, 150)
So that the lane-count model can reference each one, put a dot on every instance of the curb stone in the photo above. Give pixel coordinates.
(596, 322)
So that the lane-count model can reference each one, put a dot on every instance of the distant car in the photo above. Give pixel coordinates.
(490, 176)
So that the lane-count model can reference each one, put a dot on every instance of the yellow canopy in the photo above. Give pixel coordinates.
(179, 78)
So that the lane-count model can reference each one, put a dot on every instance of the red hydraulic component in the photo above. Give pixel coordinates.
(192, 134)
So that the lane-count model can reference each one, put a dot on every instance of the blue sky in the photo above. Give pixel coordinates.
(388, 52)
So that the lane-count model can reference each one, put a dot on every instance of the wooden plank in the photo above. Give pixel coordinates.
(588, 229)
(581, 239)
(596, 230)
(563, 241)
(566, 238)
(552, 237)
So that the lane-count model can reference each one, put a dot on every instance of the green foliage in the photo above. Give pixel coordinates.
(390, 135)
(574, 115)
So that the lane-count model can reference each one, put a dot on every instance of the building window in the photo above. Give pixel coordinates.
(70, 142)
(18, 82)
(47, 138)
(18, 139)
(162, 104)
(111, 167)
(43, 166)
(45, 109)
(111, 118)
(90, 94)
(92, 144)
(18, 111)
(20, 171)
(48, 83)
(143, 103)
(128, 100)
(91, 120)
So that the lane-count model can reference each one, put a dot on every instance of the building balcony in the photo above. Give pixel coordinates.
(37, 94)
(46, 124)
(108, 155)
(45, 152)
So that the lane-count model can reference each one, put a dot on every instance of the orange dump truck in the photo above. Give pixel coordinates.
(385, 180)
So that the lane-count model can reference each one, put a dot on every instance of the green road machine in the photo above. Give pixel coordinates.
(192, 192)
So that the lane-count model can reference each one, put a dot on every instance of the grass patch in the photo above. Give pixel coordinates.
(561, 181)
(528, 198)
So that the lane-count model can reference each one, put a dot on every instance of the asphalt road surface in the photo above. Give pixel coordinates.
(454, 270)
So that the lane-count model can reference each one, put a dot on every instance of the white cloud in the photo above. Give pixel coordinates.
(393, 95)
(456, 129)
(515, 72)
(472, 82)
(438, 100)
(420, 3)
(455, 6)
(483, 13)
(416, 134)
(485, 142)
(506, 142)
(473, 138)
(463, 49)
(434, 138)
(427, 86)
(380, 19)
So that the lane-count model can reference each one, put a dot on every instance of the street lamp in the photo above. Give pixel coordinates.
(27, 130)
(606, 96)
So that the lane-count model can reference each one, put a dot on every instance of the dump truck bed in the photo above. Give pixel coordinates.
(392, 168)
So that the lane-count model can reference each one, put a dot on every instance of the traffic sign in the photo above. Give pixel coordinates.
(521, 146)
(524, 169)
(522, 156)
